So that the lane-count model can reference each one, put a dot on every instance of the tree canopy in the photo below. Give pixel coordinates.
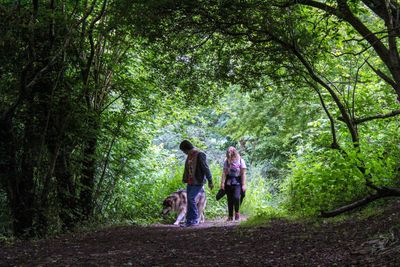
(96, 95)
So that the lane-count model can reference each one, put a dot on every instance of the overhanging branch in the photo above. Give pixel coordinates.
(382, 192)
(379, 116)
(383, 76)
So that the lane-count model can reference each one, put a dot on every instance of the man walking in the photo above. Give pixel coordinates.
(195, 175)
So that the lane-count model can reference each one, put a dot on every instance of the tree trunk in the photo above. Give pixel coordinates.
(88, 177)
(22, 187)
(66, 190)
(9, 176)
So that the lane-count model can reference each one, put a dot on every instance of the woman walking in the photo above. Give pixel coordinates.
(233, 181)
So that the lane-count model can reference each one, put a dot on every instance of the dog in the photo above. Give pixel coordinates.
(177, 202)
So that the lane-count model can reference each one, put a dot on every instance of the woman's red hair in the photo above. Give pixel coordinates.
(232, 154)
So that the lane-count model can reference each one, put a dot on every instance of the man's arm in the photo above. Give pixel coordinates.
(184, 176)
(204, 167)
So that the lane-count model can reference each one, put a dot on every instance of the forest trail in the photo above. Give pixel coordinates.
(220, 222)
(364, 242)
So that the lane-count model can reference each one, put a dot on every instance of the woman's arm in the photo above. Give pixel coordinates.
(243, 175)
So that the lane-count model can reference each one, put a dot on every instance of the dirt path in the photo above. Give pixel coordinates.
(221, 222)
(372, 242)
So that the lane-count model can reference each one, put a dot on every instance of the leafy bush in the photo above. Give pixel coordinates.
(258, 195)
(264, 215)
(326, 179)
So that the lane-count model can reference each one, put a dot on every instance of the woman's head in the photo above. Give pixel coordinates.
(232, 154)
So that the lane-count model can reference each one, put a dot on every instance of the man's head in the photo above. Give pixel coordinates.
(186, 146)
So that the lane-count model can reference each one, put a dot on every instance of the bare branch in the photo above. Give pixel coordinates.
(343, 11)
(354, 89)
(379, 116)
(383, 76)
(329, 9)
(202, 42)
(354, 205)
(390, 24)
(335, 144)
(351, 53)
(317, 79)
(382, 192)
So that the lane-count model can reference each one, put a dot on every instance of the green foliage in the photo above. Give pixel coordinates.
(264, 216)
(258, 194)
(94, 100)
(321, 181)
(270, 125)
(324, 179)
(138, 198)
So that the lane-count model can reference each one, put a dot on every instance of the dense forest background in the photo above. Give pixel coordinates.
(96, 95)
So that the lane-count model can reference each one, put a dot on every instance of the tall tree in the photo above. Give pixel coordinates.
(59, 64)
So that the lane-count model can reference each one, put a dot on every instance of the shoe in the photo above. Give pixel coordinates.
(230, 218)
(237, 216)
(189, 225)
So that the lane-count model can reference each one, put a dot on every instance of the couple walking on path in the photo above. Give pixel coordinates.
(197, 172)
